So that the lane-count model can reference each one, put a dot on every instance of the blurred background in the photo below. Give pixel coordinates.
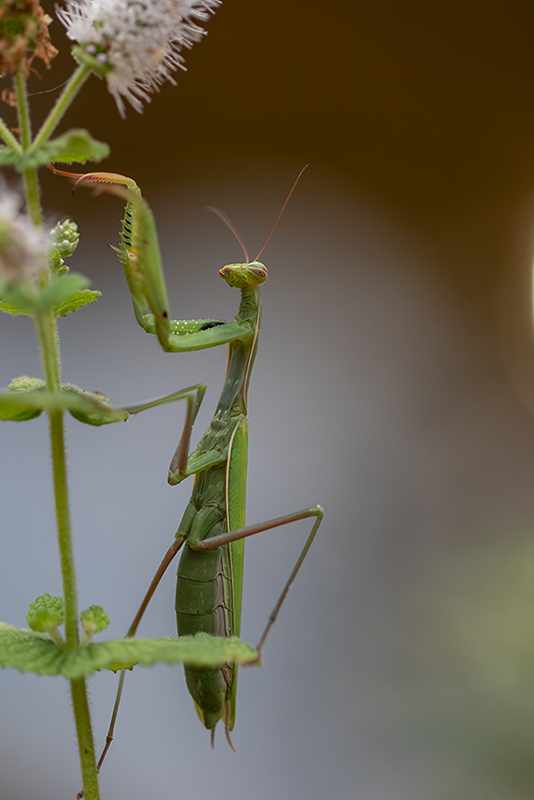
(394, 384)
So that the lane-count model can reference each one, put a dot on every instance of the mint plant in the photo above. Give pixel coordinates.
(134, 47)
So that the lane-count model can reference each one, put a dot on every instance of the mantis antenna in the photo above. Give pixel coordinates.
(228, 222)
(281, 211)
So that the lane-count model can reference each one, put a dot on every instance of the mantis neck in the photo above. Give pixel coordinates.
(241, 355)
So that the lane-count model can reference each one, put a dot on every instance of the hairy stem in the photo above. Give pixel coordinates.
(66, 556)
(68, 94)
(86, 746)
(48, 338)
(31, 184)
(8, 137)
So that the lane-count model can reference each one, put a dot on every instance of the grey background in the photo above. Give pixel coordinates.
(392, 385)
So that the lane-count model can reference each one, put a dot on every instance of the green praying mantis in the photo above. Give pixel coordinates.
(212, 530)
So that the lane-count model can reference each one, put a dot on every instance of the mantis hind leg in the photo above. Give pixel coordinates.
(251, 530)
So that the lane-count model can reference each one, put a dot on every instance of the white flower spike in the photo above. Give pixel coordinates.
(135, 44)
(23, 246)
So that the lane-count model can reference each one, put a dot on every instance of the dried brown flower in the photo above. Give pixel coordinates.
(24, 36)
(8, 96)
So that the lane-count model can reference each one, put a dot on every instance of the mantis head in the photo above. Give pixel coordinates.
(253, 273)
(244, 276)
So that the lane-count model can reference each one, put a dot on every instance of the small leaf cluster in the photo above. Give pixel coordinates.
(94, 619)
(64, 239)
(46, 613)
(42, 650)
(64, 294)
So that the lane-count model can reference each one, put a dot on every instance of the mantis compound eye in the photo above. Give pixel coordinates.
(244, 276)
(260, 272)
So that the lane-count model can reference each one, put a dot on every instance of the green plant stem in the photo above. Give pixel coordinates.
(78, 688)
(31, 185)
(23, 111)
(66, 555)
(48, 338)
(86, 746)
(33, 203)
(8, 137)
(70, 91)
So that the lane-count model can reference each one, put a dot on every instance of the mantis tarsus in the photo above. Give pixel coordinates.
(210, 572)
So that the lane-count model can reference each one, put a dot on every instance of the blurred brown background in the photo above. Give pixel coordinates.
(394, 384)
(425, 109)
(422, 109)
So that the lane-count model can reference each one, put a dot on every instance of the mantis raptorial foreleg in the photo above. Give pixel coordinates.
(138, 251)
(139, 254)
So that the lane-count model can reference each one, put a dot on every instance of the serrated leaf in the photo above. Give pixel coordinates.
(75, 145)
(75, 301)
(8, 157)
(12, 309)
(20, 298)
(60, 291)
(29, 651)
(65, 293)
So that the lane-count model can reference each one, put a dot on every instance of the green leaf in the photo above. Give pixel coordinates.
(29, 651)
(96, 408)
(20, 298)
(60, 291)
(12, 403)
(17, 407)
(8, 157)
(65, 294)
(75, 301)
(75, 145)
(27, 397)
(12, 309)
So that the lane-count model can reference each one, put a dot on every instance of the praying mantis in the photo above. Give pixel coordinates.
(212, 529)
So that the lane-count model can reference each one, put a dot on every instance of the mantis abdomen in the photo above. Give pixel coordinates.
(204, 592)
